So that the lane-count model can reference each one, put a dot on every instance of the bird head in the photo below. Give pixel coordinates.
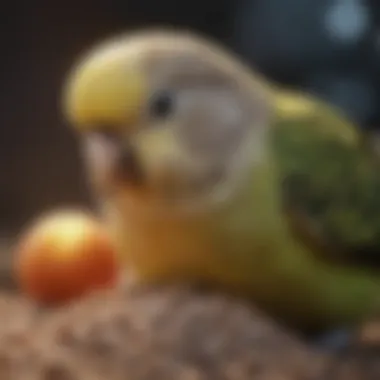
(166, 118)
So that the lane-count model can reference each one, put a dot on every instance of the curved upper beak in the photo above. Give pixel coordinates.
(107, 87)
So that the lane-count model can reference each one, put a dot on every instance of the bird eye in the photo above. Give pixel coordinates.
(162, 104)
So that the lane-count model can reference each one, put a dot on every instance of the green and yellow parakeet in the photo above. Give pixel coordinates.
(206, 173)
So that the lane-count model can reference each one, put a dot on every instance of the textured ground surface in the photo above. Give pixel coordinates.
(168, 334)
(163, 334)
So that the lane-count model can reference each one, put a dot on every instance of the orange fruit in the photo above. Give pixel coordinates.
(65, 255)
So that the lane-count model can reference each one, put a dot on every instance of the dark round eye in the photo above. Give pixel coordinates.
(162, 104)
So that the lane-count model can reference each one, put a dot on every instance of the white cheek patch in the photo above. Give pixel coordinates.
(228, 107)
(100, 156)
(214, 120)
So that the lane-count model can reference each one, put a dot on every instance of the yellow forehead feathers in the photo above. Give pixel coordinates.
(106, 87)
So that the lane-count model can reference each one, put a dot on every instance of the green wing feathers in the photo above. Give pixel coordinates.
(330, 181)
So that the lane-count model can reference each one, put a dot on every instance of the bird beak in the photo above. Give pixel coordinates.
(105, 88)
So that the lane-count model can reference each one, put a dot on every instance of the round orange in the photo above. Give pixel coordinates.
(63, 256)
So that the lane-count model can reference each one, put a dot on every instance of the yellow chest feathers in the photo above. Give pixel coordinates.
(225, 248)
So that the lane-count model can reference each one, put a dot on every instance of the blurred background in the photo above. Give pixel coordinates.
(328, 47)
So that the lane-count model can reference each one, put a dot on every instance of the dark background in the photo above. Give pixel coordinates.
(329, 47)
